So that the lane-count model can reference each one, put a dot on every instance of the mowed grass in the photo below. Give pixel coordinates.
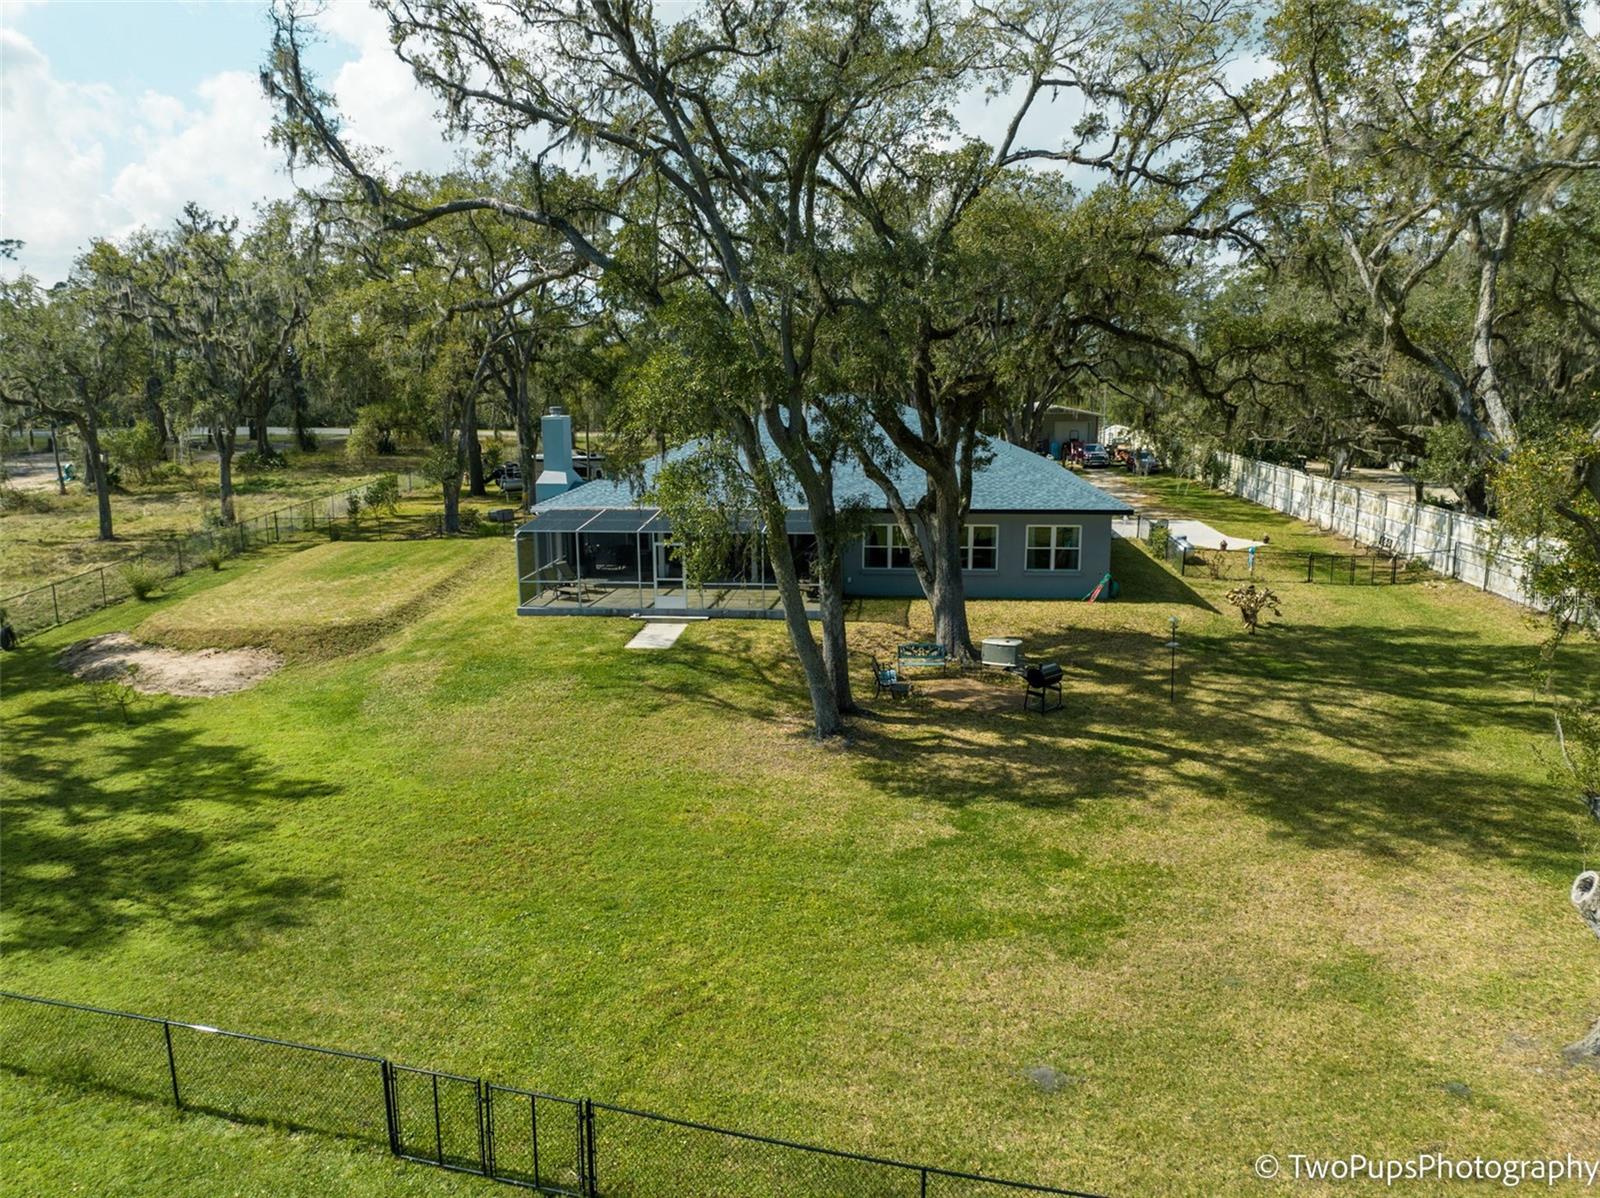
(330, 599)
(1316, 905)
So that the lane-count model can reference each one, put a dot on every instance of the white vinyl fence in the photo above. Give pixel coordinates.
(1469, 548)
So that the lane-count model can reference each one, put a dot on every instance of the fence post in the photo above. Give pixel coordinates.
(483, 1141)
(588, 1148)
(391, 1116)
(105, 600)
(180, 556)
(1311, 559)
(55, 602)
(172, 1063)
(275, 535)
(438, 1127)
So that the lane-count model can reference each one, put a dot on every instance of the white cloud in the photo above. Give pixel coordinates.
(214, 154)
(52, 155)
(80, 161)
(65, 177)
(382, 104)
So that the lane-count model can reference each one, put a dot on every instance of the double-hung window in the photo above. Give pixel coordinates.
(980, 549)
(1054, 546)
(885, 548)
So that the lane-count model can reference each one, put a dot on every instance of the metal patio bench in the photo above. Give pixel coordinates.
(921, 653)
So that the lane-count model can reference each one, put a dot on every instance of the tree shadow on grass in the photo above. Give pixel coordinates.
(1343, 738)
(1145, 580)
(155, 831)
(1385, 739)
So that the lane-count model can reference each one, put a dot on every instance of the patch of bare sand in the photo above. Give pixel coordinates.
(157, 671)
(990, 693)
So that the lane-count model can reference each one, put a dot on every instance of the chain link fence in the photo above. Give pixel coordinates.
(1266, 563)
(542, 1142)
(78, 595)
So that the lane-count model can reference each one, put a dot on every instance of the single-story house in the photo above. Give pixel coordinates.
(1035, 531)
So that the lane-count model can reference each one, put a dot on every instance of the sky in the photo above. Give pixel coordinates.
(113, 115)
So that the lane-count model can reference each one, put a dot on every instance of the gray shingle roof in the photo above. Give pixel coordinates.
(1012, 480)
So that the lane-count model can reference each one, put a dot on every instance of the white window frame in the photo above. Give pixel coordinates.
(897, 540)
(967, 547)
(1055, 546)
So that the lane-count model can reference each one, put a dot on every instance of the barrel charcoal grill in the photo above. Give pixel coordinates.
(1043, 681)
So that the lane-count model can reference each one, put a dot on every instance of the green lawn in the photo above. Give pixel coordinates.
(328, 600)
(44, 535)
(1296, 911)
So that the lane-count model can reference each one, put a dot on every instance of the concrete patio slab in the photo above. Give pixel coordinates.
(658, 634)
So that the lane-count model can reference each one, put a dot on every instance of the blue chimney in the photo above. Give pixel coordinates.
(555, 431)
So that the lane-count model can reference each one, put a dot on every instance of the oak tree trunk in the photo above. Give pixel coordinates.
(225, 438)
(153, 410)
(89, 430)
(835, 645)
(55, 452)
(820, 681)
(452, 504)
(262, 405)
(1586, 898)
(527, 438)
(469, 432)
(945, 584)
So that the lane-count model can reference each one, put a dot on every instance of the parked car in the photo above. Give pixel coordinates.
(509, 476)
(1145, 462)
(1094, 454)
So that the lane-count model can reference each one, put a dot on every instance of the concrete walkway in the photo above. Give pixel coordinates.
(1197, 532)
(658, 634)
(1202, 536)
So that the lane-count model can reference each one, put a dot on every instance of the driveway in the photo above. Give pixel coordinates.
(1125, 487)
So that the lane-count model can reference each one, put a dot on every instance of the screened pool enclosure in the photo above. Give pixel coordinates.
(611, 561)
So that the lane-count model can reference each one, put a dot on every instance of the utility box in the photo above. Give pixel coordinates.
(1002, 651)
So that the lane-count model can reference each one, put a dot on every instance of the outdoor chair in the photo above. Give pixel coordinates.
(568, 585)
(1042, 680)
(890, 681)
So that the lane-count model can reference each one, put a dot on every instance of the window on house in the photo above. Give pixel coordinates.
(1054, 546)
(980, 550)
(886, 548)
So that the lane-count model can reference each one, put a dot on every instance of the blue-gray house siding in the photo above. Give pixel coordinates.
(1014, 490)
(1010, 578)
